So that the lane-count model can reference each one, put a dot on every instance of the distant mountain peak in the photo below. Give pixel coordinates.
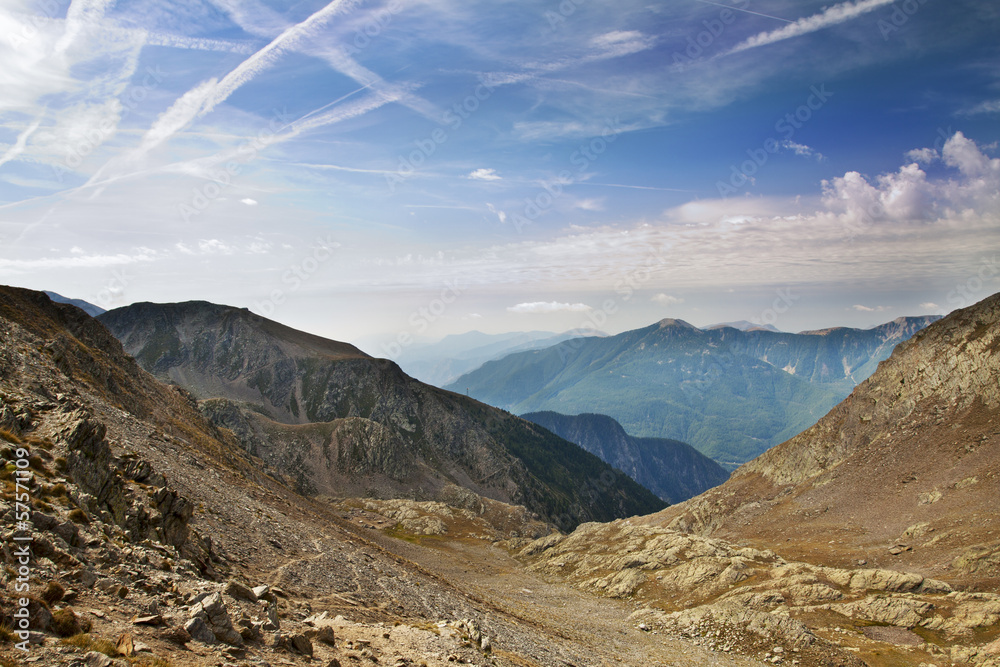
(673, 322)
(744, 325)
(85, 306)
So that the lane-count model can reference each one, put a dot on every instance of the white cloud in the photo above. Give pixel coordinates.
(248, 201)
(548, 307)
(922, 155)
(830, 16)
(484, 175)
(667, 299)
(930, 305)
(802, 150)
(989, 106)
(76, 261)
(869, 309)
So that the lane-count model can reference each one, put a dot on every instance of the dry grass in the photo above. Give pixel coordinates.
(65, 623)
(79, 516)
(53, 593)
(85, 642)
(9, 436)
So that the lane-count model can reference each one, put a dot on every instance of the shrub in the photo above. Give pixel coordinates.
(61, 463)
(65, 623)
(54, 592)
(79, 516)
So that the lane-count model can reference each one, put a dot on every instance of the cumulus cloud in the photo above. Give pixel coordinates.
(548, 307)
(484, 175)
(930, 305)
(667, 299)
(248, 201)
(908, 196)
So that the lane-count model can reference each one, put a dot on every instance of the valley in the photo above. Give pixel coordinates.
(163, 537)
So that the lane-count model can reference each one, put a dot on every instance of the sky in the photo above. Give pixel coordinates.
(398, 171)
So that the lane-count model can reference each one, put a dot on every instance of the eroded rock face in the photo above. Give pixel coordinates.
(164, 518)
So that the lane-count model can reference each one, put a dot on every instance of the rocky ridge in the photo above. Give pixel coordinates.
(339, 423)
(902, 473)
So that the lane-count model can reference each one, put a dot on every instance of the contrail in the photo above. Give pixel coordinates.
(745, 11)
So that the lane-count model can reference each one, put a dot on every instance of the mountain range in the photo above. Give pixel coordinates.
(731, 394)
(338, 422)
(159, 537)
(673, 470)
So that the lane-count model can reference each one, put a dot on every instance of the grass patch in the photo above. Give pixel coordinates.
(66, 623)
(53, 593)
(85, 642)
(9, 436)
(79, 516)
(7, 635)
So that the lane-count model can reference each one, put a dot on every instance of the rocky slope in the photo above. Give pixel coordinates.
(339, 423)
(673, 470)
(156, 541)
(902, 473)
(731, 394)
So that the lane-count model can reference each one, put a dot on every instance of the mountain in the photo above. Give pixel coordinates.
(341, 423)
(743, 325)
(673, 470)
(153, 539)
(731, 394)
(903, 472)
(86, 307)
(457, 354)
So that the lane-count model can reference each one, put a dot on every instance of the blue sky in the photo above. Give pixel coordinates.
(408, 169)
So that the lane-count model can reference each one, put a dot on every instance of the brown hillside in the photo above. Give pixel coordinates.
(901, 474)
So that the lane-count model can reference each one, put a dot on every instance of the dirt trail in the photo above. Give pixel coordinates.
(597, 626)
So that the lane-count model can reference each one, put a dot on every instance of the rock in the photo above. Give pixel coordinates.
(324, 633)
(155, 619)
(485, 644)
(176, 635)
(892, 635)
(261, 592)
(301, 644)
(95, 659)
(126, 645)
(333, 663)
(235, 589)
(213, 610)
(891, 610)
(198, 630)
(899, 548)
